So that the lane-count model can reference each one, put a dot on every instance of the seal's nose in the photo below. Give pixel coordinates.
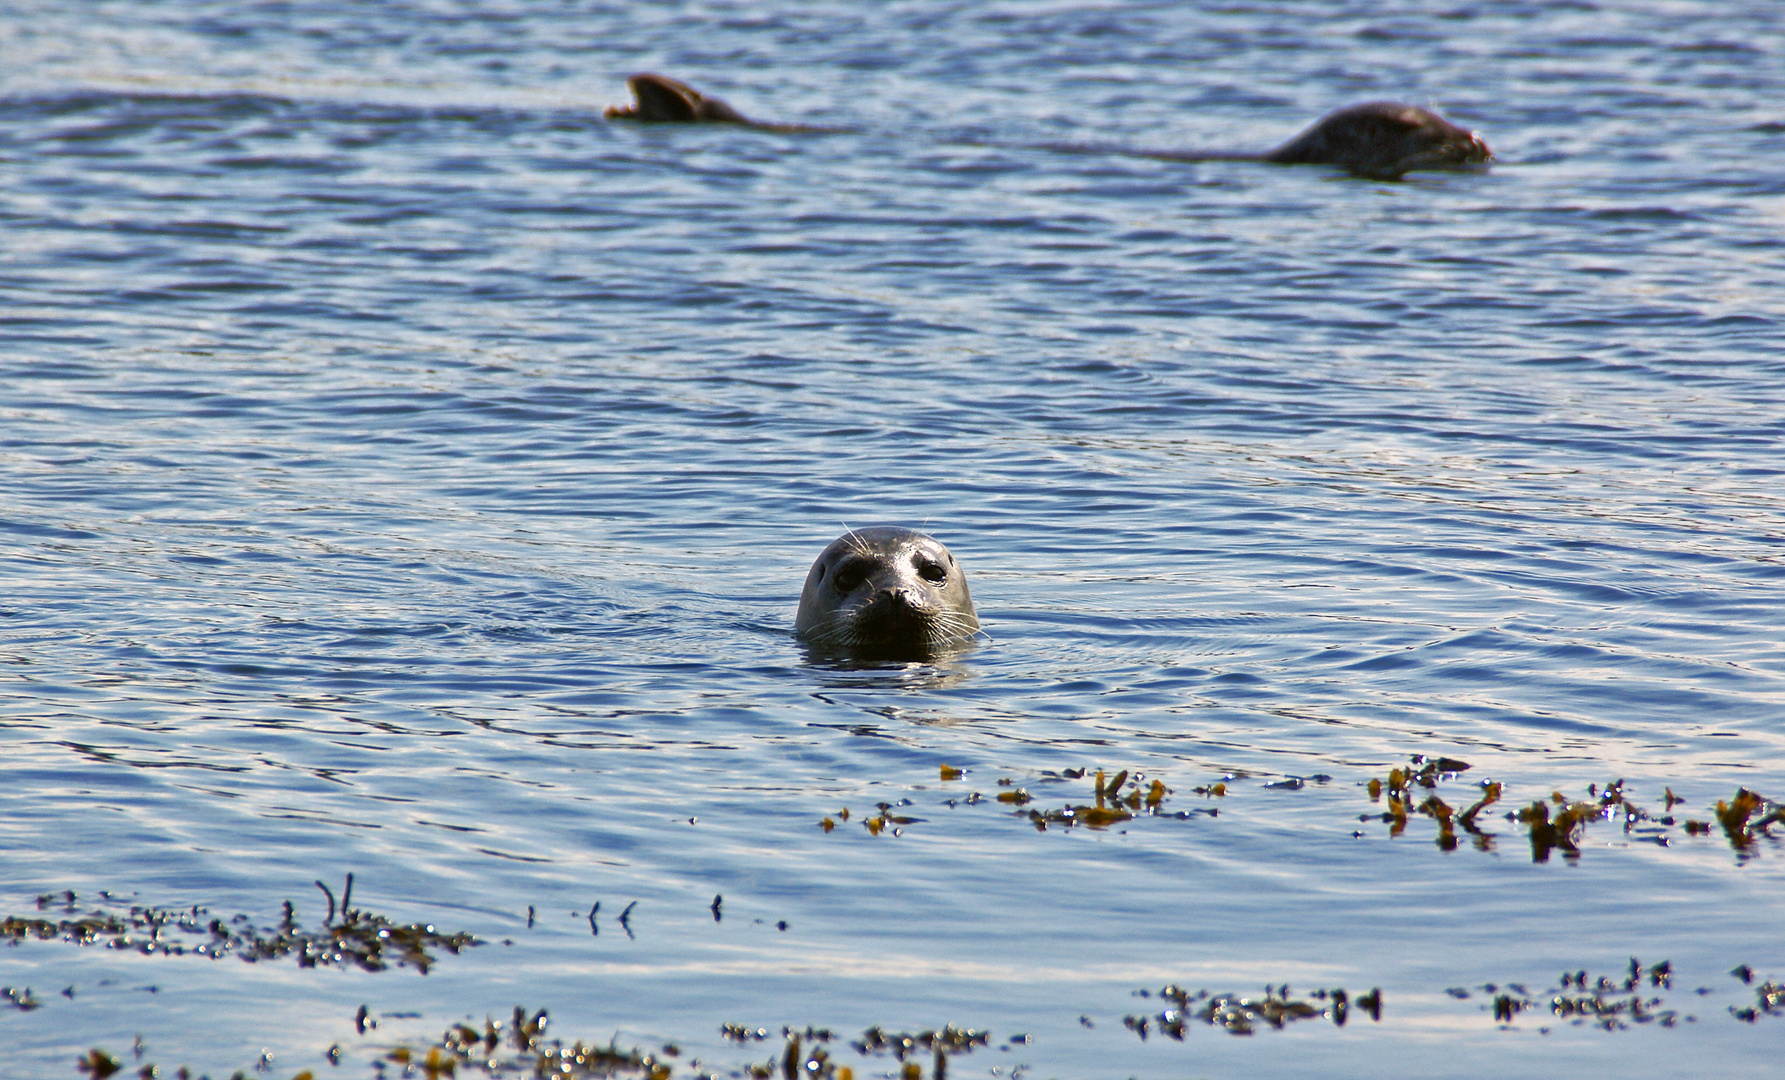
(895, 597)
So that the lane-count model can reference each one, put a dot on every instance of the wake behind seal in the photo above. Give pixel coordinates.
(885, 593)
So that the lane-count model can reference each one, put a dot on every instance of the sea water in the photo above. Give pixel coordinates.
(406, 473)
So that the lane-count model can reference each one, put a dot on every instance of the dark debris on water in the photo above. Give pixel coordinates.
(1239, 1014)
(519, 1048)
(1115, 799)
(1769, 997)
(808, 1053)
(357, 938)
(1611, 1003)
(1559, 823)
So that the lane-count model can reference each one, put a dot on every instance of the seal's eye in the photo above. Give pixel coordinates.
(932, 571)
(848, 576)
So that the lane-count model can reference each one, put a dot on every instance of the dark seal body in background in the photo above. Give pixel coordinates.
(1380, 140)
(659, 99)
(1384, 140)
(885, 593)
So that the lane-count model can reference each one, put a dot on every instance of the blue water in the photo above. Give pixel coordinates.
(408, 473)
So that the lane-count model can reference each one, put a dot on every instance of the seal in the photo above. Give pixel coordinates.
(1384, 140)
(1379, 140)
(885, 593)
(659, 99)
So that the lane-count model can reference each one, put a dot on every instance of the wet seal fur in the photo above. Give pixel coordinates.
(1379, 140)
(659, 99)
(885, 593)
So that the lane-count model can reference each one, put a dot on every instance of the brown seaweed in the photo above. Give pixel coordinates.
(1610, 1003)
(1558, 823)
(358, 938)
(1239, 1014)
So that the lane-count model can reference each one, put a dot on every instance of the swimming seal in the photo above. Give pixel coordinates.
(1384, 140)
(1379, 140)
(659, 99)
(885, 593)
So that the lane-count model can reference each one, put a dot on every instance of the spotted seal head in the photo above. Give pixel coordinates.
(659, 99)
(885, 593)
(1384, 140)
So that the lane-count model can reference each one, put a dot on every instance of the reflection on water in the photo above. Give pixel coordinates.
(940, 669)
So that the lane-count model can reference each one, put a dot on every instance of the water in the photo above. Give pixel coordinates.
(409, 474)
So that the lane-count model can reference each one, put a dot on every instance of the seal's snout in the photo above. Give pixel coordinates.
(894, 603)
(1468, 148)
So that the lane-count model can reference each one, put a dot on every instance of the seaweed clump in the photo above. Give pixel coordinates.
(1770, 997)
(1115, 799)
(1611, 1004)
(519, 1048)
(1563, 829)
(1425, 774)
(1745, 819)
(1244, 1015)
(1111, 804)
(1558, 823)
(906, 1047)
(807, 1054)
(361, 939)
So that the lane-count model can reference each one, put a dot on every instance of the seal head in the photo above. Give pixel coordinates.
(659, 99)
(885, 593)
(1384, 140)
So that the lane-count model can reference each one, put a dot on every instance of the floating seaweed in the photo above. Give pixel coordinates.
(358, 938)
(1115, 799)
(1745, 818)
(98, 1064)
(1244, 1015)
(940, 1045)
(887, 820)
(513, 1049)
(1563, 830)
(1558, 823)
(1425, 774)
(1112, 804)
(21, 998)
(519, 1048)
(1605, 1002)
(807, 1054)
(1769, 995)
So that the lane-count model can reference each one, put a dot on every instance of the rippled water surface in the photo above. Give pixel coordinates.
(408, 473)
